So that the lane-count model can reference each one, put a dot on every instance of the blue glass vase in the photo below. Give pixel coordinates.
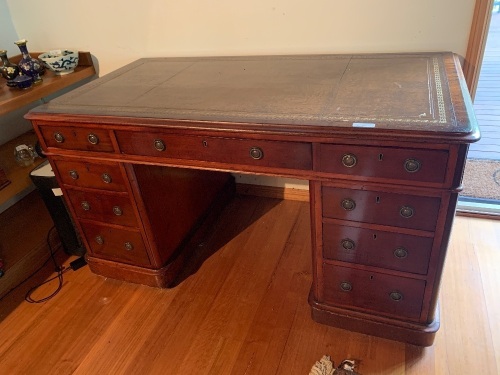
(28, 65)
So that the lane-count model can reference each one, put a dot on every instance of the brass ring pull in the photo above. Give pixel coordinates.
(85, 205)
(59, 137)
(99, 240)
(396, 296)
(400, 253)
(73, 174)
(256, 153)
(346, 286)
(128, 246)
(93, 139)
(412, 165)
(117, 211)
(349, 160)
(159, 145)
(348, 244)
(348, 204)
(106, 178)
(407, 212)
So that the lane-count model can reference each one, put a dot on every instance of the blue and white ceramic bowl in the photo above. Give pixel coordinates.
(62, 61)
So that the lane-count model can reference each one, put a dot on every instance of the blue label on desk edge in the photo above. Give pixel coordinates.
(363, 125)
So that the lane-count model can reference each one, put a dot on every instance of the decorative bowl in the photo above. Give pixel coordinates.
(61, 61)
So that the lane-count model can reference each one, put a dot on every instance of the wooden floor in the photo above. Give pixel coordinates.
(243, 309)
(487, 100)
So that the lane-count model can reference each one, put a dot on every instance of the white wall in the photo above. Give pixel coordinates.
(117, 32)
(120, 31)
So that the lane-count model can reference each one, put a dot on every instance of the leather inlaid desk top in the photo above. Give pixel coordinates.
(411, 93)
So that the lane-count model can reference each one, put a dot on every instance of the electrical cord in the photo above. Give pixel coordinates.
(74, 265)
(59, 276)
(60, 272)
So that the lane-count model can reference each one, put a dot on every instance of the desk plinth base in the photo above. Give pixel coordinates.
(160, 278)
(410, 333)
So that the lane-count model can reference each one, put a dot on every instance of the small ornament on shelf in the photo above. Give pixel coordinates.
(9, 70)
(29, 66)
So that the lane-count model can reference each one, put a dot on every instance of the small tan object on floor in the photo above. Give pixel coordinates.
(325, 366)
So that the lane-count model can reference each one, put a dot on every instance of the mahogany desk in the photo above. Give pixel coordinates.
(143, 155)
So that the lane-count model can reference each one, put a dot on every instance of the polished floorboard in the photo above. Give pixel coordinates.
(242, 309)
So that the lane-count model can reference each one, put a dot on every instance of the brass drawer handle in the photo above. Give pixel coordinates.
(59, 137)
(349, 160)
(117, 211)
(256, 153)
(396, 296)
(407, 212)
(159, 145)
(348, 204)
(93, 139)
(85, 205)
(346, 286)
(99, 240)
(128, 246)
(106, 178)
(348, 244)
(400, 253)
(412, 165)
(73, 174)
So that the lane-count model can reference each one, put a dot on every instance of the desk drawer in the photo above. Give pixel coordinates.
(276, 154)
(384, 162)
(105, 176)
(106, 208)
(377, 248)
(122, 245)
(375, 207)
(393, 295)
(75, 138)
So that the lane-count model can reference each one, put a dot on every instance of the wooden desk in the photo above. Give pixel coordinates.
(142, 154)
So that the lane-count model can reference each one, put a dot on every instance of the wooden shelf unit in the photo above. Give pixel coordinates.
(14, 98)
(23, 254)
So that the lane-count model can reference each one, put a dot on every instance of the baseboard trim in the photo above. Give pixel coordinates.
(273, 192)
